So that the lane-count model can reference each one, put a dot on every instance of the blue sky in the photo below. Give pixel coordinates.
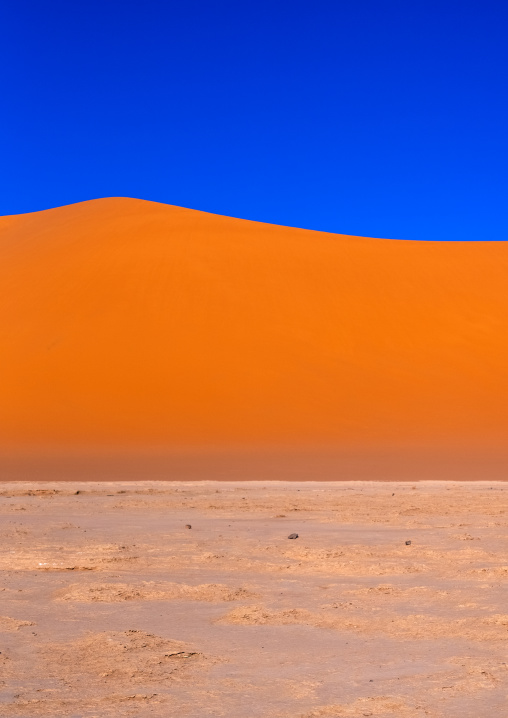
(384, 119)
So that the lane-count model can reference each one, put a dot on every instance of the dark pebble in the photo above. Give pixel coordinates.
(293, 536)
(188, 526)
(408, 543)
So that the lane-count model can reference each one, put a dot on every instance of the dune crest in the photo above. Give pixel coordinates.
(136, 329)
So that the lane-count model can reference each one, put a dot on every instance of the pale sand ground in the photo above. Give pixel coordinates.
(110, 607)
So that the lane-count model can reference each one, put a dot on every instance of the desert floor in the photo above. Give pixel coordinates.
(110, 606)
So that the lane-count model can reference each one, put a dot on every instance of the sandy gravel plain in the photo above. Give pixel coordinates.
(110, 606)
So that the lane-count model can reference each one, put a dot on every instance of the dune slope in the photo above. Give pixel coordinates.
(130, 327)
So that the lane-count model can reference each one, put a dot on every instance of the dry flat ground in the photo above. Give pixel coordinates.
(110, 606)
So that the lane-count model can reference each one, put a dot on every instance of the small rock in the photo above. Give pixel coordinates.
(408, 543)
(188, 526)
(293, 536)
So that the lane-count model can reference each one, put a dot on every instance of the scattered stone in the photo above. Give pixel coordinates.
(408, 543)
(180, 654)
(188, 526)
(293, 536)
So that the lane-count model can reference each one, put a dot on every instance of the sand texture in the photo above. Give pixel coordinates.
(149, 341)
(110, 606)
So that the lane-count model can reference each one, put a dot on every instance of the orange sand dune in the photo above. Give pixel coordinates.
(131, 328)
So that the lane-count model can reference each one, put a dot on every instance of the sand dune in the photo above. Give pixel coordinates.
(160, 341)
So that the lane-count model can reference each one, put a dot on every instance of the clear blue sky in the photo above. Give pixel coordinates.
(369, 117)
